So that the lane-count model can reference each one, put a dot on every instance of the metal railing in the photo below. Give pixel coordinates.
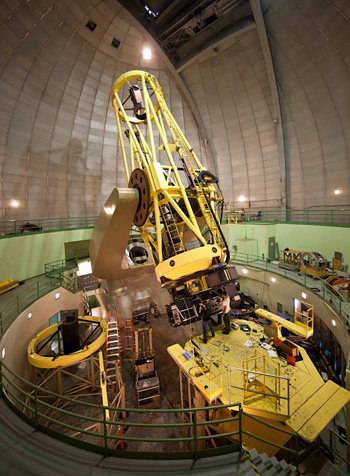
(12, 228)
(334, 217)
(24, 299)
(55, 268)
(333, 448)
(34, 405)
(29, 295)
(314, 284)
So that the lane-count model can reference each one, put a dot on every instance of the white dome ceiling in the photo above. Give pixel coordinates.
(59, 151)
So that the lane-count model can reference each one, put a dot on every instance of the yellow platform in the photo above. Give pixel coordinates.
(312, 403)
(298, 329)
(7, 285)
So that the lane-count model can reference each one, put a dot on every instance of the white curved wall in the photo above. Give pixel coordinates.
(310, 43)
(310, 47)
(59, 152)
(59, 148)
(232, 93)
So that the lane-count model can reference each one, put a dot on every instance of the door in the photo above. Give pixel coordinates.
(272, 248)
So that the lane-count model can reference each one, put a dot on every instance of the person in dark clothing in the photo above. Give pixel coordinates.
(204, 312)
(226, 312)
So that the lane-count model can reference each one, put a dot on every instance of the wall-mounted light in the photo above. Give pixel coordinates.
(244, 271)
(14, 203)
(57, 295)
(146, 54)
(3, 352)
(241, 198)
(334, 323)
(303, 295)
(337, 191)
(30, 315)
(273, 280)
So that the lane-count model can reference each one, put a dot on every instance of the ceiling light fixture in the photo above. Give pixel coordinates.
(146, 54)
(333, 322)
(244, 271)
(241, 198)
(14, 203)
(337, 191)
(273, 280)
(303, 295)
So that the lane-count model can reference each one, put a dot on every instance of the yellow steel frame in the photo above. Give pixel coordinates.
(164, 179)
(64, 360)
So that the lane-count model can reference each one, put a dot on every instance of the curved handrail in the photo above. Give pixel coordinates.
(314, 284)
(36, 410)
(328, 217)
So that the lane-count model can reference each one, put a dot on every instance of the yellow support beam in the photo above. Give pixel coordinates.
(296, 328)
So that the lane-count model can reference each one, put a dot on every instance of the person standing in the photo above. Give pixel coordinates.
(204, 312)
(226, 312)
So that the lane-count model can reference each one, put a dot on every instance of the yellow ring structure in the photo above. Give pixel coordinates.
(126, 78)
(64, 360)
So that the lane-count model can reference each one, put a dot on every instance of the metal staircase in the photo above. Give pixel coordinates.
(113, 350)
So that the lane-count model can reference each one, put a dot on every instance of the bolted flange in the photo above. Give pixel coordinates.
(138, 179)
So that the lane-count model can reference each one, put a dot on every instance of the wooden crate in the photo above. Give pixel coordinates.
(289, 348)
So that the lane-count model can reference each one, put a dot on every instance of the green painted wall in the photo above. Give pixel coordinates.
(22, 257)
(324, 239)
(244, 236)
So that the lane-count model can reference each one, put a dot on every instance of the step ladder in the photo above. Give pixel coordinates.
(129, 341)
(86, 302)
(113, 350)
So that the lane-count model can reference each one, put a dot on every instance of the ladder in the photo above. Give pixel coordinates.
(129, 339)
(87, 307)
(113, 350)
(207, 212)
(171, 229)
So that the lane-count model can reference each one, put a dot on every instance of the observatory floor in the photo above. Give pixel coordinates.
(217, 374)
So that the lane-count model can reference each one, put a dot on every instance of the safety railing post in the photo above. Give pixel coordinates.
(105, 439)
(195, 435)
(1, 392)
(240, 428)
(332, 216)
(307, 216)
(297, 453)
(36, 409)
